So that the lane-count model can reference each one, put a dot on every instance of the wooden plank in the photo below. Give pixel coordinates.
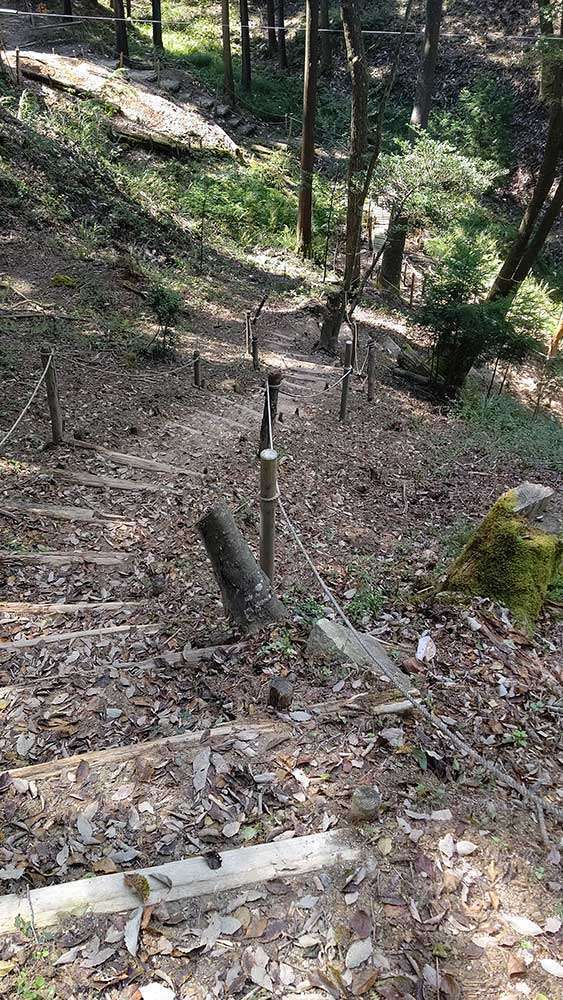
(136, 462)
(98, 758)
(65, 558)
(244, 866)
(63, 513)
(107, 483)
(40, 640)
(29, 610)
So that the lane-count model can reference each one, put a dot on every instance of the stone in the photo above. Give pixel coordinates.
(329, 640)
(280, 693)
(170, 84)
(512, 557)
(365, 804)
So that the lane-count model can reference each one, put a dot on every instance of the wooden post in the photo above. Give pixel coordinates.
(405, 273)
(18, 73)
(370, 229)
(57, 422)
(197, 369)
(346, 380)
(274, 383)
(268, 500)
(411, 296)
(247, 331)
(423, 286)
(255, 356)
(371, 370)
(354, 342)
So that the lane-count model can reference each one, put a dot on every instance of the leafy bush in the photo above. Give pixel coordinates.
(480, 124)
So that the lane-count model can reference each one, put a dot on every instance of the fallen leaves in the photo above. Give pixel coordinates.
(358, 953)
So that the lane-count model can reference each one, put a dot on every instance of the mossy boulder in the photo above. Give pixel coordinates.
(511, 557)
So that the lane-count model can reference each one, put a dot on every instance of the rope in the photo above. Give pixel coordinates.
(28, 404)
(174, 22)
(67, 359)
(456, 741)
(327, 388)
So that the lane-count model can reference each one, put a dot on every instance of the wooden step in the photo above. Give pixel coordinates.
(88, 514)
(30, 610)
(136, 462)
(106, 483)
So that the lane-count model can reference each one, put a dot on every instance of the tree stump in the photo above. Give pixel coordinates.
(509, 557)
(280, 694)
(246, 591)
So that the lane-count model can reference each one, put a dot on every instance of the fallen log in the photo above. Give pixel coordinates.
(136, 461)
(8, 647)
(112, 755)
(25, 610)
(108, 483)
(63, 513)
(246, 591)
(182, 879)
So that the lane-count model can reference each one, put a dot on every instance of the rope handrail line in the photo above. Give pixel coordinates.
(538, 801)
(321, 392)
(29, 402)
(67, 359)
(182, 22)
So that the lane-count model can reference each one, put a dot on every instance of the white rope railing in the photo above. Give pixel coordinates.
(28, 404)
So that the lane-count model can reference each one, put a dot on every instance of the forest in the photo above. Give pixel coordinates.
(281, 507)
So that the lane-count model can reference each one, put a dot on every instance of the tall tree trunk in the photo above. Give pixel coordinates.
(358, 140)
(325, 39)
(128, 7)
(282, 48)
(427, 70)
(228, 79)
(271, 28)
(503, 284)
(537, 241)
(305, 213)
(246, 65)
(548, 71)
(392, 260)
(157, 24)
(121, 43)
(67, 8)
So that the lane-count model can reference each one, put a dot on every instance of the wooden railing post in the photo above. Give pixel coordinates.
(269, 419)
(371, 370)
(411, 296)
(247, 332)
(354, 342)
(57, 421)
(268, 501)
(255, 355)
(346, 380)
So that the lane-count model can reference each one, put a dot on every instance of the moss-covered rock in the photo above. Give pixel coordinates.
(509, 558)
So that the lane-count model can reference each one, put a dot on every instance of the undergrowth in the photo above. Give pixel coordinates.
(503, 425)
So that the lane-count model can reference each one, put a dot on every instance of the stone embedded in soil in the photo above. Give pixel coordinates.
(280, 693)
(365, 804)
(331, 641)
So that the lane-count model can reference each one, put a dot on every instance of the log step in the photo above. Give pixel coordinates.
(65, 558)
(107, 483)
(136, 462)
(88, 514)
(182, 879)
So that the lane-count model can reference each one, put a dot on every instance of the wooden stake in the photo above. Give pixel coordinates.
(405, 273)
(255, 356)
(57, 422)
(354, 342)
(18, 67)
(346, 380)
(197, 370)
(247, 331)
(411, 296)
(268, 502)
(371, 370)
(274, 384)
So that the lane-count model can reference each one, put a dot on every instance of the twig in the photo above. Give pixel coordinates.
(32, 916)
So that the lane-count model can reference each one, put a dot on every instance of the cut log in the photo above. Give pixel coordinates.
(106, 483)
(512, 557)
(136, 462)
(245, 589)
(65, 558)
(8, 647)
(183, 879)
(136, 135)
(97, 517)
(30, 610)
(280, 694)
(99, 758)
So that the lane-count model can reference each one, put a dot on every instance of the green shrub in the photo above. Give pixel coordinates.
(480, 124)
(505, 426)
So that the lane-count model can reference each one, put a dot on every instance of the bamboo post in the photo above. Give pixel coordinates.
(371, 370)
(270, 413)
(255, 355)
(411, 295)
(18, 73)
(197, 369)
(57, 422)
(268, 500)
(346, 380)
(405, 273)
(247, 330)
